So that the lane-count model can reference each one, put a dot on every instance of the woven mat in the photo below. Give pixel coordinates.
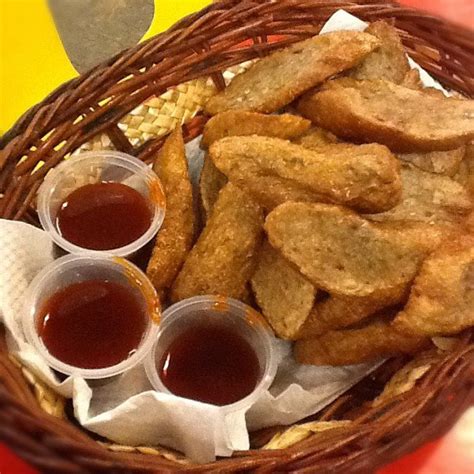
(158, 116)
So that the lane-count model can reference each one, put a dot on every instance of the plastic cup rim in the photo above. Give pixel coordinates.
(29, 319)
(132, 164)
(262, 328)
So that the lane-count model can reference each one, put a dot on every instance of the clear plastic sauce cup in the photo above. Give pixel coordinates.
(231, 314)
(72, 269)
(97, 167)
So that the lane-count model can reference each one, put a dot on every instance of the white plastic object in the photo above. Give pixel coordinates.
(233, 314)
(71, 269)
(95, 167)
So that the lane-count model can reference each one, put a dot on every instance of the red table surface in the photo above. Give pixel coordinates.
(453, 454)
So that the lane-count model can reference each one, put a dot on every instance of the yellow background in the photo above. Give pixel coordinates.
(32, 59)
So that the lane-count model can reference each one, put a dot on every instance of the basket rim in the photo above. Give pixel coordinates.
(69, 447)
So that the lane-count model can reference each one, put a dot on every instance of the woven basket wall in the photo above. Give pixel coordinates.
(130, 103)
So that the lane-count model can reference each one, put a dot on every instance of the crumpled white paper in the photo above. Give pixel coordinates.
(125, 409)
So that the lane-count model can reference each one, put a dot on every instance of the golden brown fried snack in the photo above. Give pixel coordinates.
(380, 111)
(412, 80)
(283, 294)
(241, 122)
(429, 198)
(465, 174)
(176, 234)
(358, 176)
(439, 162)
(388, 61)
(339, 312)
(278, 79)
(223, 259)
(421, 237)
(376, 340)
(338, 251)
(336, 312)
(211, 182)
(270, 191)
(441, 301)
(336, 83)
(316, 137)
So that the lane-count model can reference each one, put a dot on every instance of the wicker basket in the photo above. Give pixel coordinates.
(130, 103)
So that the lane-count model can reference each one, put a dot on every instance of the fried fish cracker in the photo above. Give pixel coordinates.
(412, 80)
(441, 301)
(420, 237)
(469, 161)
(211, 182)
(316, 137)
(404, 119)
(241, 122)
(468, 223)
(283, 294)
(337, 312)
(429, 198)
(176, 233)
(376, 340)
(389, 61)
(271, 191)
(223, 259)
(358, 176)
(279, 78)
(439, 162)
(465, 173)
(338, 251)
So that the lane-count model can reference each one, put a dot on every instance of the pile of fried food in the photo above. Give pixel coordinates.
(338, 200)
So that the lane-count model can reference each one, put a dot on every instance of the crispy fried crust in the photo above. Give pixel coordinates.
(376, 340)
(241, 122)
(211, 182)
(175, 237)
(404, 119)
(274, 171)
(223, 259)
(442, 298)
(271, 191)
(429, 198)
(421, 237)
(412, 80)
(278, 79)
(338, 251)
(283, 294)
(388, 61)
(439, 162)
(465, 174)
(337, 312)
(315, 138)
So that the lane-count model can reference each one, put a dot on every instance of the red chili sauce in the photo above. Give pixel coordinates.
(92, 324)
(103, 216)
(210, 363)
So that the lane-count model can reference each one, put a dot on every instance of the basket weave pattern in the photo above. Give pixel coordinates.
(130, 103)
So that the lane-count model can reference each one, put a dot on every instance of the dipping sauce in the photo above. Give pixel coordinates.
(103, 216)
(92, 324)
(210, 363)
